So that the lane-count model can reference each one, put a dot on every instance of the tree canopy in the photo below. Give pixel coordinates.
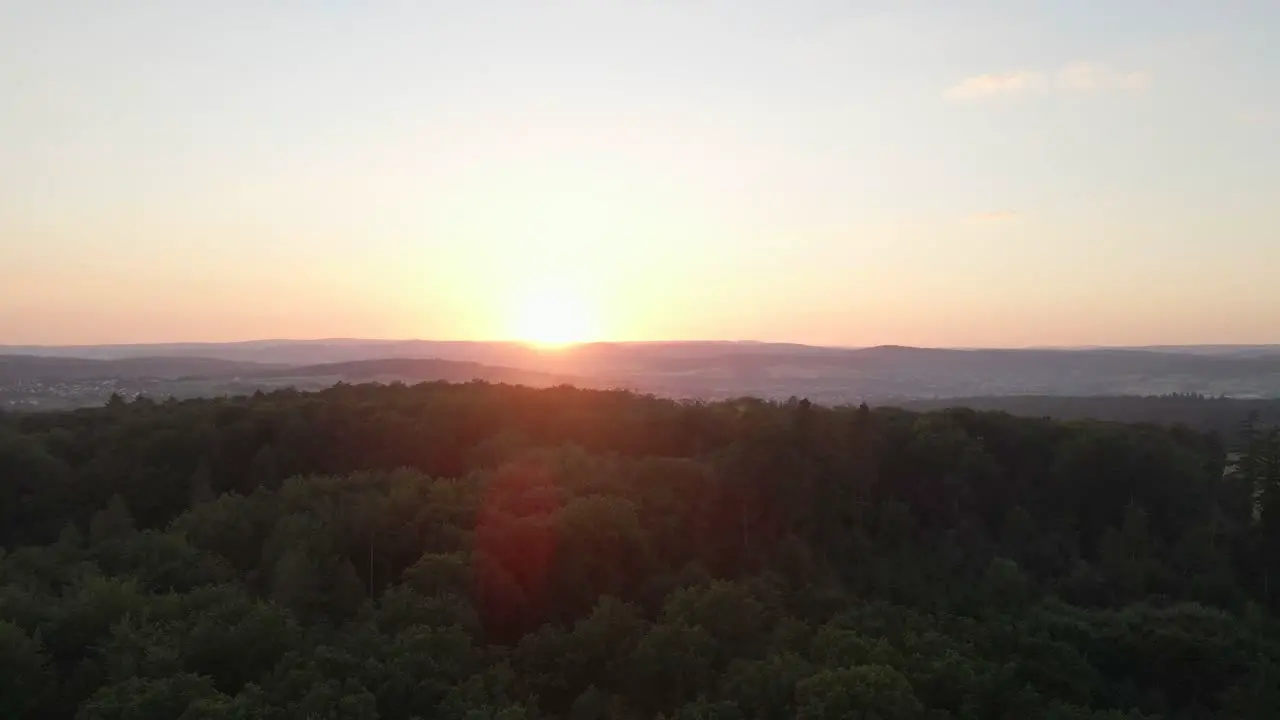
(487, 551)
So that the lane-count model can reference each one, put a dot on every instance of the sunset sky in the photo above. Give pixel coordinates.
(985, 173)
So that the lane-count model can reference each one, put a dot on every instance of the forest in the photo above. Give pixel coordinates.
(479, 551)
(1225, 416)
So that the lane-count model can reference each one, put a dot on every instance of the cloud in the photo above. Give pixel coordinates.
(986, 86)
(1088, 77)
(1255, 117)
(1077, 77)
(995, 216)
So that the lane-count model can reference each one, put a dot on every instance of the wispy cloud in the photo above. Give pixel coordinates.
(992, 85)
(995, 216)
(1255, 117)
(1089, 77)
(1076, 77)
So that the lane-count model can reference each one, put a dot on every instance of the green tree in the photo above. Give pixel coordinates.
(672, 664)
(766, 689)
(264, 471)
(145, 698)
(111, 524)
(201, 484)
(26, 680)
(703, 709)
(864, 692)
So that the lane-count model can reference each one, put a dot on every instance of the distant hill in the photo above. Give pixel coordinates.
(429, 369)
(894, 373)
(292, 352)
(43, 383)
(1228, 350)
(307, 352)
(689, 369)
(34, 367)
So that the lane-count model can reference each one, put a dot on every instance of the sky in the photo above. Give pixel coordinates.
(847, 172)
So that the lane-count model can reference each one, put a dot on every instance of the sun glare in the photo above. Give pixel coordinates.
(551, 318)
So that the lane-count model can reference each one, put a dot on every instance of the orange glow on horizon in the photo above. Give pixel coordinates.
(552, 316)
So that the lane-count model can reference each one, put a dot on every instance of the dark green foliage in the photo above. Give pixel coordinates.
(477, 551)
(26, 680)
(862, 692)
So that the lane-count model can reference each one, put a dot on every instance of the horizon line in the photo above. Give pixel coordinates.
(353, 340)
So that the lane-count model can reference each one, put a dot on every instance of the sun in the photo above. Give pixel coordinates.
(552, 318)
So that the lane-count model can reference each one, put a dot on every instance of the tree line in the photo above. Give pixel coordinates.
(486, 551)
(1221, 415)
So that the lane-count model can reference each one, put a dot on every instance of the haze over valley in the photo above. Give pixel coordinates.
(59, 377)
